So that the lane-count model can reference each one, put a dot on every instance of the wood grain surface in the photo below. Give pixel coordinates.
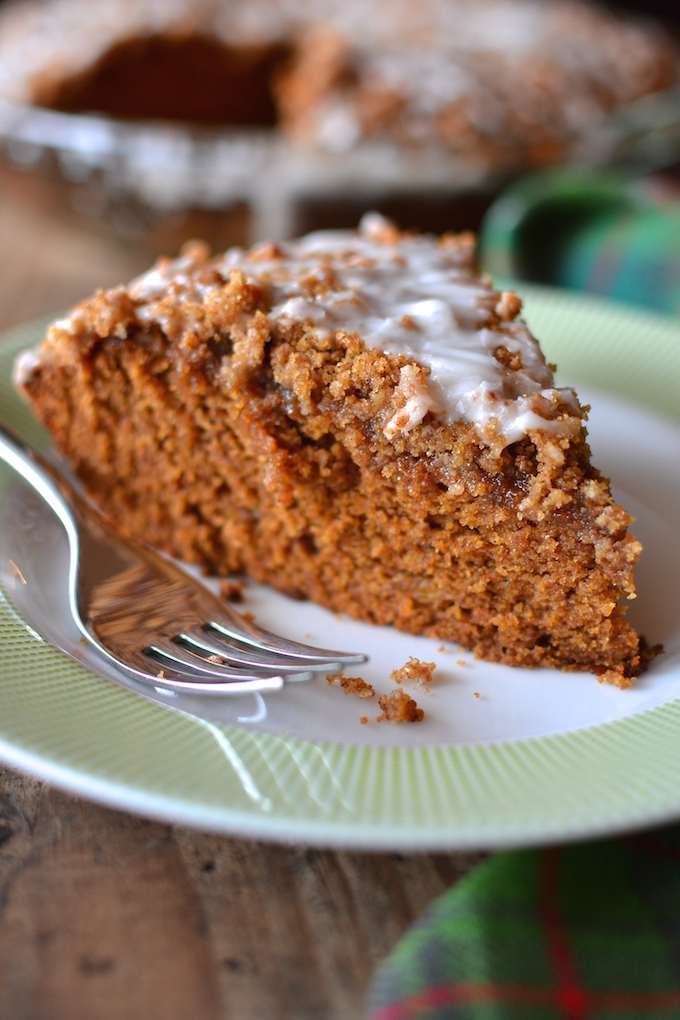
(106, 916)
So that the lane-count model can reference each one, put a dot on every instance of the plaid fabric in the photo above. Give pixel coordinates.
(585, 932)
(594, 232)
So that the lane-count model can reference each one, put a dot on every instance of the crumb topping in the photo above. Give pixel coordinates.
(418, 297)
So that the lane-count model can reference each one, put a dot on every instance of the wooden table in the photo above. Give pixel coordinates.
(105, 916)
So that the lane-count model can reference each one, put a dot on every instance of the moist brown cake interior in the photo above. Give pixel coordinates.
(196, 79)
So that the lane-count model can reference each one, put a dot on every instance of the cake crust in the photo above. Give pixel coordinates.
(253, 442)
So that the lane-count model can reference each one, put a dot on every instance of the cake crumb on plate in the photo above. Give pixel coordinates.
(399, 707)
(232, 591)
(352, 685)
(414, 669)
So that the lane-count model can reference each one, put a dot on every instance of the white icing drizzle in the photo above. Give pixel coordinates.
(404, 295)
(25, 364)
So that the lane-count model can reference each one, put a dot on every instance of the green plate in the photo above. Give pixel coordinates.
(504, 757)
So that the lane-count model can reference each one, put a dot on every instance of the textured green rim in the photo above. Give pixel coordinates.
(78, 732)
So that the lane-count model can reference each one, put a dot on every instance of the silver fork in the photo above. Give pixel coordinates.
(148, 617)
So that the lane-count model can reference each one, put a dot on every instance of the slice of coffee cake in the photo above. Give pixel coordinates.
(355, 418)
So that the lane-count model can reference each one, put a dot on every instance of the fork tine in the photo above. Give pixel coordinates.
(185, 661)
(165, 674)
(211, 642)
(238, 628)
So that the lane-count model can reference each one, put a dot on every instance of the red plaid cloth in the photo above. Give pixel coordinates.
(586, 932)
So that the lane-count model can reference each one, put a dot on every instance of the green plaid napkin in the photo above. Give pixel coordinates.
(596, 232)
(584, 932)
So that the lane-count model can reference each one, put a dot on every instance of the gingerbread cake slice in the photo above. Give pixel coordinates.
(357, 418)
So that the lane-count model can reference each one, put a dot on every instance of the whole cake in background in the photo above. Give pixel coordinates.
(358, 418)
(512, 82)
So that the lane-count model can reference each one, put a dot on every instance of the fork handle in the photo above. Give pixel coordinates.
(41, 475)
